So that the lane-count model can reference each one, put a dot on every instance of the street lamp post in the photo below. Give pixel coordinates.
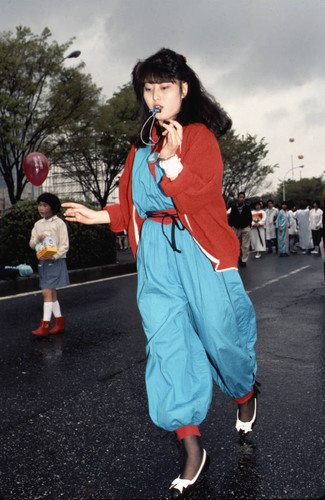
(284, 181)
(75, 53)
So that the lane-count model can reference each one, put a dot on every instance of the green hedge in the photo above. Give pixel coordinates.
(89, 245)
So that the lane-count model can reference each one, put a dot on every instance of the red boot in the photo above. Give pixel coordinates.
(43, 329)
(58, 325)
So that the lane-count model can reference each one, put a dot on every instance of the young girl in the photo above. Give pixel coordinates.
(52, 269)
(199, 322)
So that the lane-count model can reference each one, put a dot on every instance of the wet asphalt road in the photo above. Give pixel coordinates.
(74, 422)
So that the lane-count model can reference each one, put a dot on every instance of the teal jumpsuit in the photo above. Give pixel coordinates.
(200, 324)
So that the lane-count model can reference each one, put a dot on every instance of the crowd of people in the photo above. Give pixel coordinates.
(284, 229)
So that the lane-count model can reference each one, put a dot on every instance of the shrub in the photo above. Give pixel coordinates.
(89, 245)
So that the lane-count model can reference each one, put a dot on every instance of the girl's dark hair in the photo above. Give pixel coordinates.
(197, 106)
(50, 199)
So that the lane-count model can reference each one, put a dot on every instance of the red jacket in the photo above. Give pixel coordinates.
(197, 194)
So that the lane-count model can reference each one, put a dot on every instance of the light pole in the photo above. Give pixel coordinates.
(75, 53)
(284, 180)
(300, 157)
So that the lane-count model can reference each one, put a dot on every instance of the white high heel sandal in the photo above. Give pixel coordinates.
(180, 486)
(246, 427)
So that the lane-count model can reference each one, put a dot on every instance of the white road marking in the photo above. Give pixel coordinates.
(276, 280)
(35, 292)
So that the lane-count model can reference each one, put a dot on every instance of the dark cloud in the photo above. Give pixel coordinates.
(264, 43)
(254, 43)
(263, 59)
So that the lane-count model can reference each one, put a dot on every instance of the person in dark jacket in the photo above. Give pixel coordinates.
(240, 219)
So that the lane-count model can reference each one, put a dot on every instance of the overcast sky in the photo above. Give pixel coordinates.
(263, 60)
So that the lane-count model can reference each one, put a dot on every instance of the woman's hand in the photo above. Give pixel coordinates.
(173, 135)
(79, 213)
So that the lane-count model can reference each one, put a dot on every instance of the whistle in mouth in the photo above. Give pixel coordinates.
(154, 111)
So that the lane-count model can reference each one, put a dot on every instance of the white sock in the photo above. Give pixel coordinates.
(56, 309)
(47, 311)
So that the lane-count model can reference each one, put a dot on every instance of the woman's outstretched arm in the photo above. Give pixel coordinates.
(79, 213)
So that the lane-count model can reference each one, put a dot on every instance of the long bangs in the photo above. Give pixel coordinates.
(158, 78)
(153, 73)
(159, 68)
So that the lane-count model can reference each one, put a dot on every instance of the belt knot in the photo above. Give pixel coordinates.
(167, 217)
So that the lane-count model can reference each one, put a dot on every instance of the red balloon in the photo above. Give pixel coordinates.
(300, 157)
(291, 139)
(36, 168)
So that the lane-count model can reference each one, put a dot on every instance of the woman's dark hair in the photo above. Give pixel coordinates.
(197, 106)
(50, 199)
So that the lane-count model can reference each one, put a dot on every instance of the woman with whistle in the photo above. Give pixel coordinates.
(199, 322)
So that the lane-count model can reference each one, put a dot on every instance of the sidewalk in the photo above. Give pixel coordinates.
(124, 264)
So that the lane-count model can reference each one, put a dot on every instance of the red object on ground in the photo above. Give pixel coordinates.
(36, 168)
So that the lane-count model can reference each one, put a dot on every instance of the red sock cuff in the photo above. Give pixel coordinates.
(244, 398)
(187, 430)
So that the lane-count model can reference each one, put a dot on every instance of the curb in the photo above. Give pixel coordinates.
(31, 284)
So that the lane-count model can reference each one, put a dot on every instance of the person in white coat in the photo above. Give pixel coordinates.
(258, 230)
(316, 224)
(293, 231)
(304, 230)
(270, 233)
